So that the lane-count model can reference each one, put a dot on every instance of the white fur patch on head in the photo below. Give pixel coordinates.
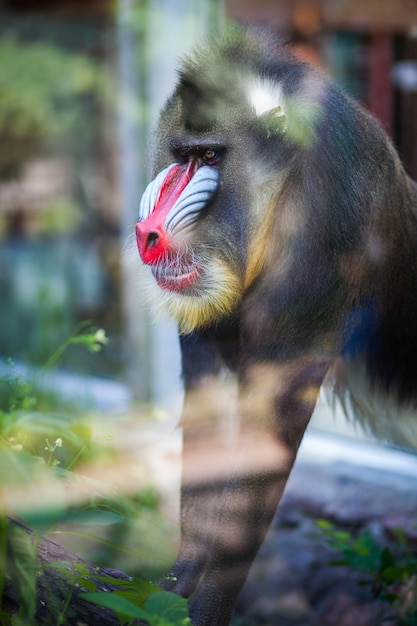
(265, 96)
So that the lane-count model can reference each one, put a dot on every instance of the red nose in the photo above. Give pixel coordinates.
(153, 241)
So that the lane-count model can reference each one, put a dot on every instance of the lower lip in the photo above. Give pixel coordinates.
(178, 283)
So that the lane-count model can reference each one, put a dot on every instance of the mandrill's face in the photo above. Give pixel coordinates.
(169, 208)
(197, 285)
(199, 218)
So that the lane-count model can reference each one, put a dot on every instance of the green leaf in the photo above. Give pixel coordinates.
(392, 574)
(53, 425)
(88, 584)
(161, 608)
(21, 567)
(324, 524)
(387, 559)
(111, 600)
(167, 605)
(43, 519)
(136, 590)
(58, 565)
(91, 517)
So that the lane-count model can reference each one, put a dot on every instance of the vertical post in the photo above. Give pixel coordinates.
(169, 28)
(174, 26)
(131, 177)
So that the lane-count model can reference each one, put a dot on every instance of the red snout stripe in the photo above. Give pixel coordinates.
(173, 185)
(152, 239)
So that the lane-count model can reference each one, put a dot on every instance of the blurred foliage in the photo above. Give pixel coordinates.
(57, 105)
(61, 216)
(44, 90)
(390, 573)
(44, 451)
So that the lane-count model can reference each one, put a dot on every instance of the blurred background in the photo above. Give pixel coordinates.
(81, 82)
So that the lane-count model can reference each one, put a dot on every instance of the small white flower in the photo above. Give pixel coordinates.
(100, 337)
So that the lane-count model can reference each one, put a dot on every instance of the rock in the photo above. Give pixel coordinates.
(292, 582)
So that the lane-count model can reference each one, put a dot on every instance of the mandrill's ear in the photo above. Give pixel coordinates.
(267, 100)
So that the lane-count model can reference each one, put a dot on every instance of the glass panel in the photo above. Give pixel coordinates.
(81, 85)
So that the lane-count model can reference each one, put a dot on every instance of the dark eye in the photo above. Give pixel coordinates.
(210, 156)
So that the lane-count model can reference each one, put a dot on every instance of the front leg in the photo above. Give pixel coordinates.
(235, 466)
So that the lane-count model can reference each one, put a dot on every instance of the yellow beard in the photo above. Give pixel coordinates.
(220, 295)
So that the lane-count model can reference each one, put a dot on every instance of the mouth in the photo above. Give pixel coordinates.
(178, 278)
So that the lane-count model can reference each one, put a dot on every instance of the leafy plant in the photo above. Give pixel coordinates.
(390, 573)
(44, 91)
(44, 449)
(160, 608)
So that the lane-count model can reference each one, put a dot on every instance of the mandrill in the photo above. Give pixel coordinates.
(281, 230)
